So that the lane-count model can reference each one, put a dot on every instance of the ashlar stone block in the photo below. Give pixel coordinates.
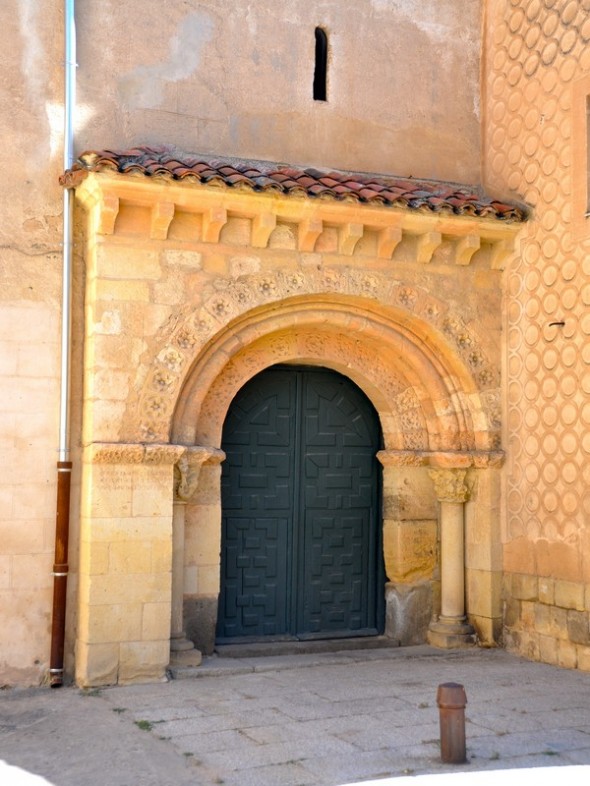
(567, 654)
(578, 627)
(525, 587)
(546, 590)
(114, 622)
(96, 664)
(155, 623)
(409, 549)
(551, 621)
(143, 661)
(583, 653)
(548, 649)
(569, 595)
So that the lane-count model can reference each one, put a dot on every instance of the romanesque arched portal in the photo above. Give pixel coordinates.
(193, 288)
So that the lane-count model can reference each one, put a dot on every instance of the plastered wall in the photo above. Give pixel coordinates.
(236, 79)
(30, 250)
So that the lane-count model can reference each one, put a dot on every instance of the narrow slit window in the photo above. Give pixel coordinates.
(320, 76)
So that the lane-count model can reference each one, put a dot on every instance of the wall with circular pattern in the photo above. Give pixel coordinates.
(535, 147)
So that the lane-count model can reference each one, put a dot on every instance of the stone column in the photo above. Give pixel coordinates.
(451, 629)
(186, 481)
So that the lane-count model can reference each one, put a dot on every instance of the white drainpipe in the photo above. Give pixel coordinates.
(64, 465)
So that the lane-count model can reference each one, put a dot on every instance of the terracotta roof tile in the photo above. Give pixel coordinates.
(423, 195)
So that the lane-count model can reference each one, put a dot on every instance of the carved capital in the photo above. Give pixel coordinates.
(188, 468)
(450, 485)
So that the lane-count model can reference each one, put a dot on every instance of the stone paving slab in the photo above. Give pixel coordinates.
(308, 720)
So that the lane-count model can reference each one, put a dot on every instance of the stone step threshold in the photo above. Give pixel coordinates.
(262, 649)
(280, 656)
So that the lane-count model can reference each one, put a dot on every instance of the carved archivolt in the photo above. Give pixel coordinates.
(240, 309)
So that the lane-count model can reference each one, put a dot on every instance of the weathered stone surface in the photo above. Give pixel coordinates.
(570, 595)
(551, 621)
(200, 619)
(408, 611)
(409, 549)
(578, 627)
(525, 587)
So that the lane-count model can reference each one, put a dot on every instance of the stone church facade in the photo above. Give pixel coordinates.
(306, 401)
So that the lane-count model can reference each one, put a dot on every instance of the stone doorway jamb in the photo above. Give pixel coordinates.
(451, 629)
(186, 480)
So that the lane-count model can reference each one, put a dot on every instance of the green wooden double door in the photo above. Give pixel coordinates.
(301, 546)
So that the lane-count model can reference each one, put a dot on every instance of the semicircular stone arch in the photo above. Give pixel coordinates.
(424, 368)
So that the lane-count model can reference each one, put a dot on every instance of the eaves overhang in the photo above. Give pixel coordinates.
(423, 213)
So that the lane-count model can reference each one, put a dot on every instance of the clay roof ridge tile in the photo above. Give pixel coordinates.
(306, 181)
(297, 191)
(265, 183)
(317, 174)
(279, 177)
(290, 171)
(328, 181)
(170, 162)
(318, 189)
(236, 178)
(353, 185)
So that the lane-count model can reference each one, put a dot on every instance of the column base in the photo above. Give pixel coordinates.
(183, 652)
(451, 632)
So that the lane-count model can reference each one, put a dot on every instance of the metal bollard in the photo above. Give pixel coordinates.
(451, 700)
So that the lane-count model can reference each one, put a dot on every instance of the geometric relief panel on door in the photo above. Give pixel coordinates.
(335, 573)
(337, 481)
(334, 417)
(254, 569)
